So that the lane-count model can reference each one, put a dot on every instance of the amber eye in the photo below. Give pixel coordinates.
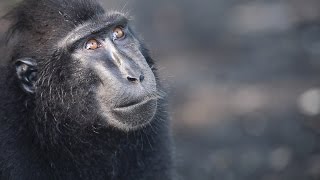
(118, 33)
(92, 44)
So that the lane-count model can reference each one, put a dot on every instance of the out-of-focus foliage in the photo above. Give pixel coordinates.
(244, 80)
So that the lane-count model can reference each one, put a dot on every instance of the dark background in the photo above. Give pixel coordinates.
(244, 83)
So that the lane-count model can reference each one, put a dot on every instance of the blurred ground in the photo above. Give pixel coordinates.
(244, 83)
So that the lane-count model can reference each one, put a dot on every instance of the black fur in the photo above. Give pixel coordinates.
(57, 132)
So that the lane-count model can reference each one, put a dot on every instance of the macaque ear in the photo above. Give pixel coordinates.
(26, 70)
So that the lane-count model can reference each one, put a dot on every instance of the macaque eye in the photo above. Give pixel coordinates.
(92, 44)
(118, 33)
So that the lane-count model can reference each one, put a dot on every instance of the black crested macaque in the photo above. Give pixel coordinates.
(80, 97)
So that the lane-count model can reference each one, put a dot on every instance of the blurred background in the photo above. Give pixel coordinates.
(244, 84)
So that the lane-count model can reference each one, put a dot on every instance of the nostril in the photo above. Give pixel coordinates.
(141, 78)
(132, 79)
